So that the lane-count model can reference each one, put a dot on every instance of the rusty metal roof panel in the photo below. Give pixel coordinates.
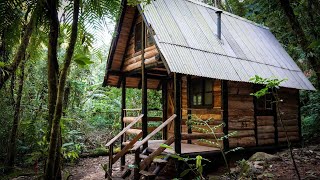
(185, 33)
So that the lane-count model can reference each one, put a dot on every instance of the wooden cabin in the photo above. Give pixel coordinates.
(202, 59)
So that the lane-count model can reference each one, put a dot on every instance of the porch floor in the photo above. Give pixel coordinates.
(185, 148)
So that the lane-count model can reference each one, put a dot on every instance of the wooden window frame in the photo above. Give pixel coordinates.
(266, 101)
(202, 105)
(137, 39)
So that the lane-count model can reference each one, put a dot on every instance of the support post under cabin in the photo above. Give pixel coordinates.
(177, 110)
(144, 87)
(164, 108)
(123, 107)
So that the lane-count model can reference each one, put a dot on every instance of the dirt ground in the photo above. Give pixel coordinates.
(308, 161)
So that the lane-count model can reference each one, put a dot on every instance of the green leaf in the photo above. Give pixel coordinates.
(165, 146)
(82, 60)
(185, 172)
(314, 44)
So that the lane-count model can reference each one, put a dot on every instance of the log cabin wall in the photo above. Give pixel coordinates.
(289, 109)
(133, 54)
(213, 112)
(241, 114)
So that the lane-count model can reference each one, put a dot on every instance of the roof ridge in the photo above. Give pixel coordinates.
(228, 13)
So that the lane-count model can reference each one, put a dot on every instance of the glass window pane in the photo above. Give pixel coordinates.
(208, 98)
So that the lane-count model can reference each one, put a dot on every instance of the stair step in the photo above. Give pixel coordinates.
(147, 173)
(129, 119)
(156, 160)
(134, 131)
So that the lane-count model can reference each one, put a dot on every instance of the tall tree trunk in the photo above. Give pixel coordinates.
(55, 131)
(303, 41)
(53, 66)
(20, 52)
(53, 73)
(16, 118)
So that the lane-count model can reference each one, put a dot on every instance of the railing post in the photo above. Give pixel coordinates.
(164, 108)
(136, 170)
(144, 87)
(177, 109)
(110, 161)
(123, 106)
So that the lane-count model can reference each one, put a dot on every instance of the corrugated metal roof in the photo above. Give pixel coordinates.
(185, 32)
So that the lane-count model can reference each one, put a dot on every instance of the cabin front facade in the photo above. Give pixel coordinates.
(202, 59)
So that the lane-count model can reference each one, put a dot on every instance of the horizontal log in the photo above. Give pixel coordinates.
(265, 120)
(137, 65)
(200, 136)
(240, 112)
(139, 52)
(289, 128)
(283, 134)
(293, 122)
(265, 135)
(291, 138)
(243, 133)
(147, 55)
(241, 118)
(265, 129)
(266, 141)
(242, 142)
(241, 125)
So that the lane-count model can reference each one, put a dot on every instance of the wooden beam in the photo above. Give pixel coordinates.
(275, 121)
(225, 114)
(177, 109)
(164, 107)
(189, 106)
(144, 87)
(255, 115)
(123, 106)
(185, 136)
(299, 117)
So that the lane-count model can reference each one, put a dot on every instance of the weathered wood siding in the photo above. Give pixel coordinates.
(289, 109)
(241, 114)
(208, 113)
(132, 57)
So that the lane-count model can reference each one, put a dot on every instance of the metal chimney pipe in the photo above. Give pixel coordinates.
(219, 24)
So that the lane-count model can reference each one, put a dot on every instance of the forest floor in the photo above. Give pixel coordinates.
(307, 159)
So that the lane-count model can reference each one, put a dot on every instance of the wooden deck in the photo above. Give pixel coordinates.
(185, 148)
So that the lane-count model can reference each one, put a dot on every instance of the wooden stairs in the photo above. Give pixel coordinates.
(143, 158)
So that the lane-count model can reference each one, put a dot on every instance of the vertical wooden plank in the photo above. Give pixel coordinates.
(136, 170)
(299, 117)
(177, 109)
(225, 115)
(110, 161)
(255, 115)
(123, 106)
(144, 87)
(164, 108)
(189, 106)
(275, 121)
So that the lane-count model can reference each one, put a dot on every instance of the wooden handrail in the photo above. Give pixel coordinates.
(124, 130)
(159, 128)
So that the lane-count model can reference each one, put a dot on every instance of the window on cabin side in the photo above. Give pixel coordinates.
(201, 92)
(138, 35)
(265, 102)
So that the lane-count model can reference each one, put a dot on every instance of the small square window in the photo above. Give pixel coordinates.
(138, 35)
(201, 92)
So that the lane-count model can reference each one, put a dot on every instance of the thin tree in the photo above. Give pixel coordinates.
(16, 118)
(55, 130)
